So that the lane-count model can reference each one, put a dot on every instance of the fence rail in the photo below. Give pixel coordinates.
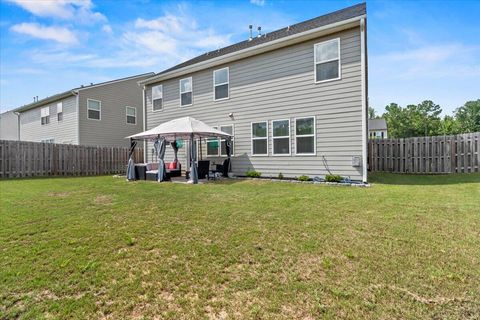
(439, 154)
(34, 159)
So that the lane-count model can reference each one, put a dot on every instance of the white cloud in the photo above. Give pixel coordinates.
(178, 37)
(107, 29)
(260, 3)
(35, 30)
(75, 10)
(448, 60)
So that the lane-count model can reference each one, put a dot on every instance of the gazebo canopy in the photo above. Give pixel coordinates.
(181, 128)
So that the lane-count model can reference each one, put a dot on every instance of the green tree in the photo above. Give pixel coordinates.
(426, 118)
(372, 114)
(397, 122)
(413, 120)
(449, 125)
(468, 117)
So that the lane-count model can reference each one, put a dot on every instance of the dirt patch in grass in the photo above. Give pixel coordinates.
(63, 194)
(103, 200)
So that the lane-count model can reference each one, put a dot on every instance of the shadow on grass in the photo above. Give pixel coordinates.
(419, 179)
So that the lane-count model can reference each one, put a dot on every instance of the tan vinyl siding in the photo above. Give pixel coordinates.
(112, 128)
(279, 85)
(8, 126)
(65, 131)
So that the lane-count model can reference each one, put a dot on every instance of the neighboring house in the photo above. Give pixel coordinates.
(100, 114)
(9, 126)
(295, 98)
(377, 129)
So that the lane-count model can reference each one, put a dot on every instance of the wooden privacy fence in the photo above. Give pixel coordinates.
(34, 159)
(440, 154)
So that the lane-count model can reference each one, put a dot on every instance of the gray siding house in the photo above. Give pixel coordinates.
(294, 99)
(100, 114)
(9, 126)
(377, 129)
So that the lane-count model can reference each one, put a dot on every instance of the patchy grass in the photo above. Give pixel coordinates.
(407, 248)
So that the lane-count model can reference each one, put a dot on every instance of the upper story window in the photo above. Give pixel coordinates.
(221, 83)
(186, 98)
(157, 98)
(223, 148)
(45, 115)
(94, 109)
(59, 111)
(327, 60)
(305, 136)
(260, 138)
(281, 137)
(131, 115)
(51, 140)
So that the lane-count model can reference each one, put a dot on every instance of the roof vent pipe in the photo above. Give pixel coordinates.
(259, 32)
(250, 30)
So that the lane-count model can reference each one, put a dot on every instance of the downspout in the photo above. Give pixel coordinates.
(363, 59)
(18, 124)
(144, 125)
(77, 108)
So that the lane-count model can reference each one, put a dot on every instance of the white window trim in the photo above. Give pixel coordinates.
(47, 140)
(153, 110)
(60, 104)
(100, 111)
(126, 115)
(45, 124)
(252, 138)
(306, 135)
(219, 84)
(282, 137)
(45, 116)
(223, 139)
(180, 96)
(212, 140)
(315, 61)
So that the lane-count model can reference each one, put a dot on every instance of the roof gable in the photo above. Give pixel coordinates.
(321, 21)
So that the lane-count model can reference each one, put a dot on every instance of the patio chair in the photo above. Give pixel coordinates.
(203, 169)
(222, 168)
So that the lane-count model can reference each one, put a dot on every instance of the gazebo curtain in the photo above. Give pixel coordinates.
(160, 146)
(175, 150)
(228, 150)
(193, 161)
(131, 164)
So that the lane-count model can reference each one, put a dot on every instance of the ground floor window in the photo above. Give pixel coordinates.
(260, 138)
(305, 136)
(281, 137)
(212, 146)
(227, 129)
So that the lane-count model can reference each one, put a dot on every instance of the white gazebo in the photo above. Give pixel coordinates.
(186, 128)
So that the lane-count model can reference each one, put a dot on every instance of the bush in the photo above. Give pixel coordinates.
(253, 174)
(280, 176)
(303, 178)
(333, 178)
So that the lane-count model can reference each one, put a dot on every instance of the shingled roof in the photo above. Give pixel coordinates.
(337, 16)
(72, 92)
(377, 124)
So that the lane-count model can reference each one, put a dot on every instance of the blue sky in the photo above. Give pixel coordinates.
(417, 50)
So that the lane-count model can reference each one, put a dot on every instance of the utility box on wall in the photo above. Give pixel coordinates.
(356, 161)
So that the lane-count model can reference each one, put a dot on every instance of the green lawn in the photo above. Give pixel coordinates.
(406, 248)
